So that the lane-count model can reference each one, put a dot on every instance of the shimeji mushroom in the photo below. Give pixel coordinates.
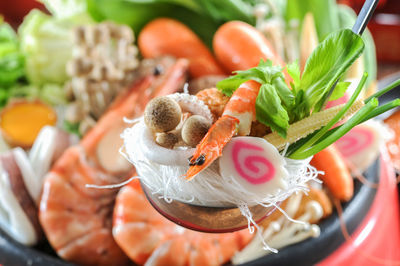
(194, 129)
(282, 232)
(162, 114)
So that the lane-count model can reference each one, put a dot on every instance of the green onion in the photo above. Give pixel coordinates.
(337, 117)
(336, 134)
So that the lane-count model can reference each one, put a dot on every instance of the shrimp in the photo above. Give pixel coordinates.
(237, 117)
(149, 238)
(77, 220)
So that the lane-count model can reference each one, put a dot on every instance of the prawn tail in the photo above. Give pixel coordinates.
(210, 147)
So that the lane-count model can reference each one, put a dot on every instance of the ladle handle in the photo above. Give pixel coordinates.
(364, 16)
(359, 26)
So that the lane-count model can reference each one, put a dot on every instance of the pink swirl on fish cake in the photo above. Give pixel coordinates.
(355, 141)
(248, 167)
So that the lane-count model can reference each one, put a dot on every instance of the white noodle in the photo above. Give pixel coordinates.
(209, 188)
(162, 171)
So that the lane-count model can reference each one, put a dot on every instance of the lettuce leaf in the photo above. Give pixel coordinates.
(270, 111)
(62, 9)
(47, 44)
(11, 60)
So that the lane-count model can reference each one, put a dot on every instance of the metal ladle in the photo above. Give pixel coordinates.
(230, 219)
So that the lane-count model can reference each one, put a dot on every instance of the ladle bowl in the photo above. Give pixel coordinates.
(217, 219)
(205, 219)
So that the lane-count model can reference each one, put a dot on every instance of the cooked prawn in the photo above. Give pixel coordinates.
(77, 219)
(237, 117)
(150, 239)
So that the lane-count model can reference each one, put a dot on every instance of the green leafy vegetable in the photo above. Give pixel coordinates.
(334, 135)
(47, 44)
(224, 10)
(325, 14)
(330, 17)
(65, 9)
(202, 16)
(272, 114)
(72, 128)
(11, 60)
(11, 69)
(339, 90)
(274, 98)
(328, 62)
(52, 94)
(277, 106)
(325, 136)
(335, 119)
(347, 17)
(294, 71)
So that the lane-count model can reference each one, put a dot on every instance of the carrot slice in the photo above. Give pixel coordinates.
(21, 121)
(166, 36)
(337, 177)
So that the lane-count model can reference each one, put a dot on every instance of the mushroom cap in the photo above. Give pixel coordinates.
(162, 114)
(194, 129)
(167, 140)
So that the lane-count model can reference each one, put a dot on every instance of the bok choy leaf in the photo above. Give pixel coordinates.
(328, 62)
(277, 106)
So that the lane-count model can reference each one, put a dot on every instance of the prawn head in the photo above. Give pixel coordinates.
(210, 147)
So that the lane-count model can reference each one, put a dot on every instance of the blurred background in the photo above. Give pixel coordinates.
(43, 75)
(385, 27)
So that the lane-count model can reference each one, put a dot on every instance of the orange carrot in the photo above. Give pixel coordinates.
(239, 46)
(337, 177)
(22, 120)
(166, 36)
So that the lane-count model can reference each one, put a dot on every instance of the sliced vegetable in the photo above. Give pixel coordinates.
(336, 175)
(21, 121)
